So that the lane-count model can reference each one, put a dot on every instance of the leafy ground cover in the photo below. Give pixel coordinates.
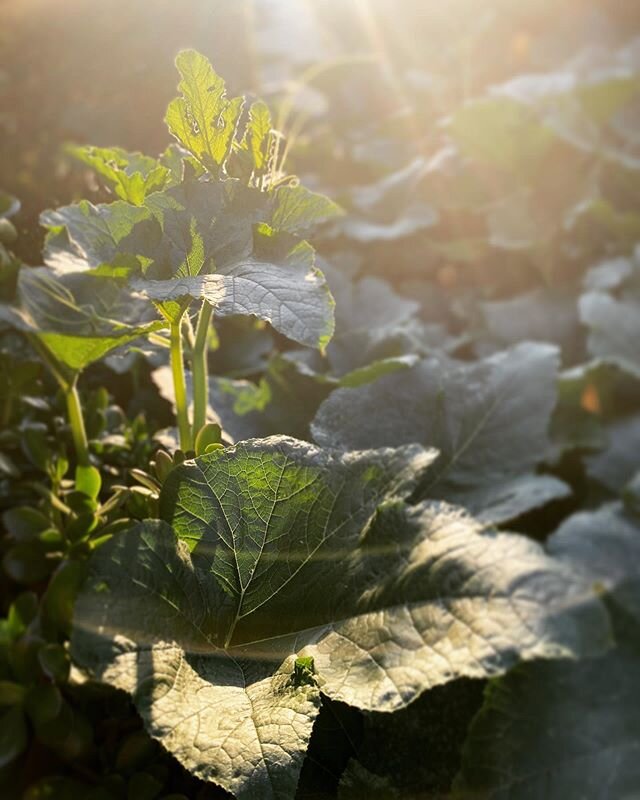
(319, 467)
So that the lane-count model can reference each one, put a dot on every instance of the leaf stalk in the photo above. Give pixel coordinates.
(76, 421)
(179, 386)
(200, 369)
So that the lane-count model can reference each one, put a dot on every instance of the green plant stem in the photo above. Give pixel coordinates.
(179, 386)
(67, 380)
(76, 421)
(199, 368)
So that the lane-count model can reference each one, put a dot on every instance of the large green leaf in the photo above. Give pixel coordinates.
(543, 315)
(503, 133)
(78, 317)
(392, 208)
(281, 570)
(292, 296)
(603, 545)
(558, 729)
(488, 419)
(194, 229)
(203, 120)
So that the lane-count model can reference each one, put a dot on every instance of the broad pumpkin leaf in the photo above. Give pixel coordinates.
(561, 729)
(542, 315)
(488, 419)
(391, 208)
(78, 317)
(203, 120)
(609, 274)
(557, 730)
(372, 232)
(279, 571)
(604, 546)
(292, 296)
(196, 240)
(504, 133)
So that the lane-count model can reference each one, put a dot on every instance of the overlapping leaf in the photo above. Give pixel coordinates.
(198, 236)
(79, 318)
(569, 729)
(292, 295)
(488, 419)
(276, 550)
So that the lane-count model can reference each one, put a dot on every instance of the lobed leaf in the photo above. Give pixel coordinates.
(203, 120)
(292, 296)
(274, 551)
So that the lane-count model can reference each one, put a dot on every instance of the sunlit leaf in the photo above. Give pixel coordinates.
(231, 588)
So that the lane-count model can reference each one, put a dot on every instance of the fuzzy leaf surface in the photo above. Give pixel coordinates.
(203, 120)
(292, 296)
(233, 585)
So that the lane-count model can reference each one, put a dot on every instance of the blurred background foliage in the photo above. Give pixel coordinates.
(102, 72)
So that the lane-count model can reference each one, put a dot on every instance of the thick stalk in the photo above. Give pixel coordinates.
(199, 368)
(179, 386)
(76, 421)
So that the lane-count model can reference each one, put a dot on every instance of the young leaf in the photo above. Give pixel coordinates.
(88, 481)
(258, 135)
(132, 176)
(208, 435)
(203, 120)
(232, 589)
